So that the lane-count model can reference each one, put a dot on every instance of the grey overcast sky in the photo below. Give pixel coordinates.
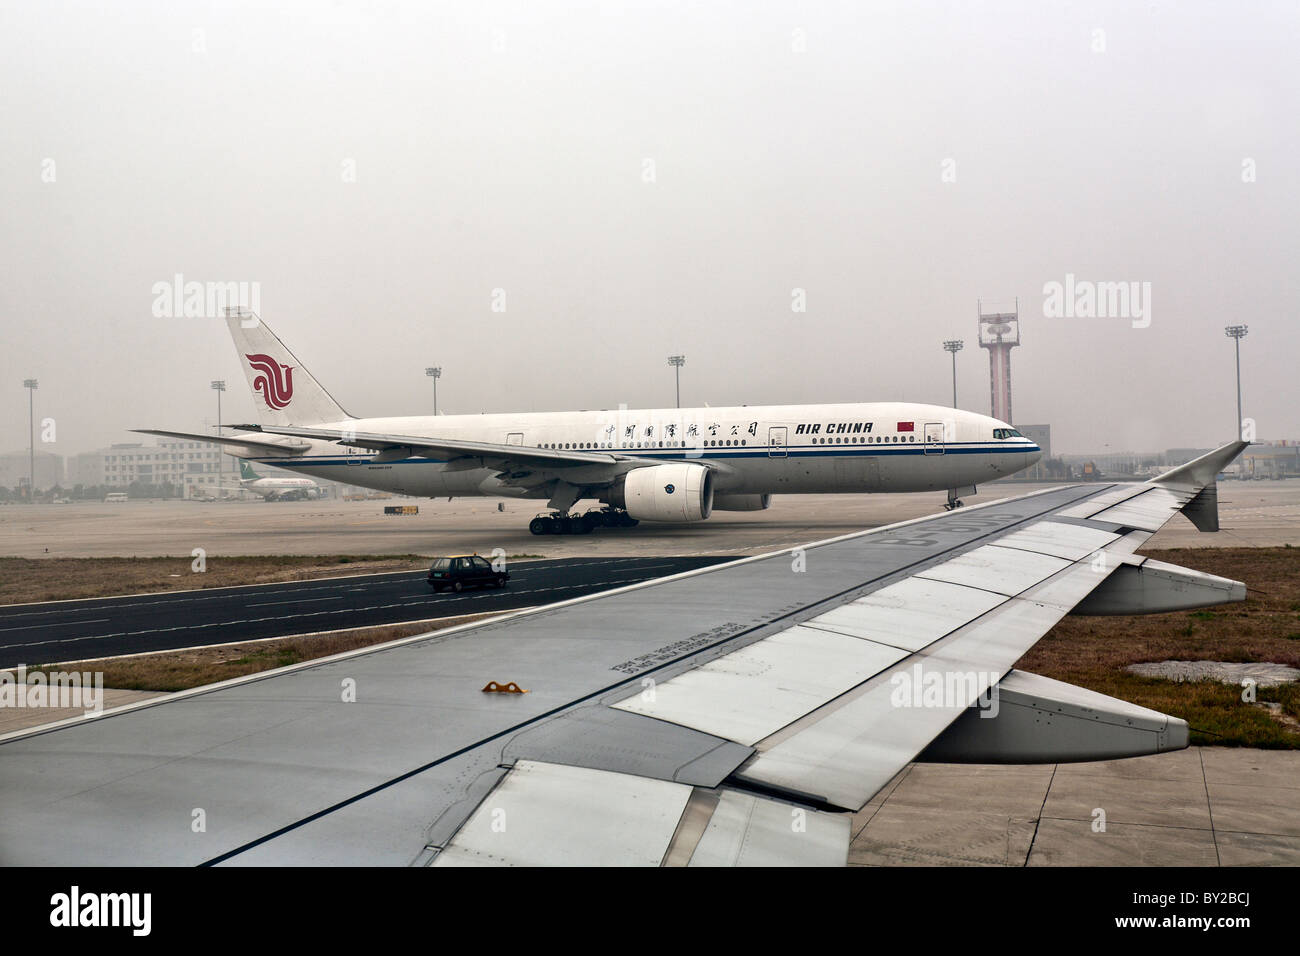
(897, 161)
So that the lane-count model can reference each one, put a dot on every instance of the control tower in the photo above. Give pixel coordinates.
(999, 333)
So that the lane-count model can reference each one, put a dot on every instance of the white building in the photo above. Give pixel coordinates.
(194, 466)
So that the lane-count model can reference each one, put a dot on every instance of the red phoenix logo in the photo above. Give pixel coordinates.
(273, 380)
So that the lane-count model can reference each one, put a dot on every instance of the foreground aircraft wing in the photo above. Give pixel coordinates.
(735, 715)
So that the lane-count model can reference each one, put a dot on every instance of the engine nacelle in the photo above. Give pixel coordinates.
(677, 492)
(741, 502)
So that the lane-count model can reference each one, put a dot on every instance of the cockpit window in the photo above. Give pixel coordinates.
(1006, 433)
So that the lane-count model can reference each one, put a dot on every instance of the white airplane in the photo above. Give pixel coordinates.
(664, 464)
(275, 489)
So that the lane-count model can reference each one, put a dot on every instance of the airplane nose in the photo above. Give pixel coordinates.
(1018, 452)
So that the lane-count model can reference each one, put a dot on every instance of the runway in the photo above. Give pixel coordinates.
(1253, 514)
(106, 627)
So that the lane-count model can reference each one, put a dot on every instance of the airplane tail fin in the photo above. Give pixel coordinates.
(284, 392)
(246, 472)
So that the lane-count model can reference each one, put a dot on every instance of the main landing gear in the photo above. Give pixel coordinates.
(581, 524)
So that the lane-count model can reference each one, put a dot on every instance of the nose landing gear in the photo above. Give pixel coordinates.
(954, 501)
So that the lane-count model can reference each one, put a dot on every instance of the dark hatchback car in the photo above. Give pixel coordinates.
(463, 571)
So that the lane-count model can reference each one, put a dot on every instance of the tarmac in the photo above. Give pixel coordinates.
(1252, 513)
(1204, 806)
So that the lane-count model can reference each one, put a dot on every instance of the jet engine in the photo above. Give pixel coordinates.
(676, 492)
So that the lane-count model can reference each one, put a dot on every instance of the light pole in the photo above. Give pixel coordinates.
(1237, 333)
(677, 361)
(220, 386)
(954, 346)
(435, 374)
(31, 385)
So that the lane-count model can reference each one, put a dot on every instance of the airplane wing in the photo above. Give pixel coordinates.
(242, 446)
(600, 466)
(736, 715)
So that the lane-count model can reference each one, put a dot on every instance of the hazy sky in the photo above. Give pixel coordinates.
(897, 161)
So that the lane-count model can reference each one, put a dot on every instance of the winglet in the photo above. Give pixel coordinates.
(1200, 474)
(1202, 471)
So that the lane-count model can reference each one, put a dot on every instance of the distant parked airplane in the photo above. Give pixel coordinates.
(275, 489)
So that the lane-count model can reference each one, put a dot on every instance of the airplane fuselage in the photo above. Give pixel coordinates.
(752, 450)
(273, 488)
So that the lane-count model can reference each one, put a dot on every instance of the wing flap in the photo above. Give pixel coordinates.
(544, 814)
(753, 692)
(844, 752)
(747, 830)
(833, 721)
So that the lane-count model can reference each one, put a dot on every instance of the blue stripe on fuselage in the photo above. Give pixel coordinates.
(673, 454)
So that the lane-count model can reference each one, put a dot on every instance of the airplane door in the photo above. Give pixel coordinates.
(776, 441)
(515, 438)
(934, 438)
